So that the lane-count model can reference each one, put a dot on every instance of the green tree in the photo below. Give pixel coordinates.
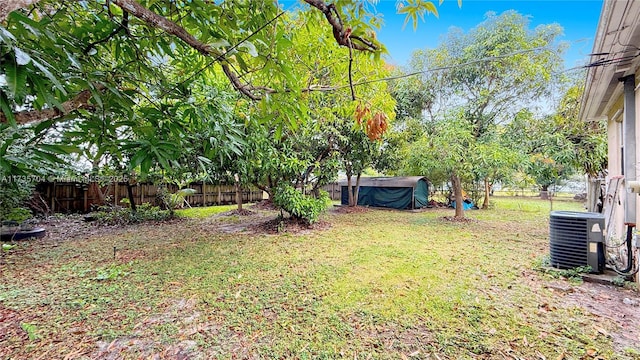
(443, 155)
(559, 144)
(123, 78)
(492, 161)
(489, 74)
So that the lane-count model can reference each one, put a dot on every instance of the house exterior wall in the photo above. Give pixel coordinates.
(636, 246)
(614, 136)
(614, 59)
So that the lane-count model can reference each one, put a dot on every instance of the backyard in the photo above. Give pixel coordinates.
(362, 284)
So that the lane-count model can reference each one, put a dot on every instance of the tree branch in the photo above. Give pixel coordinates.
(339, 32)
(80, 101)
(154, 20)
(160, 22)
(7, 6)
(122, 26)
(235, 81)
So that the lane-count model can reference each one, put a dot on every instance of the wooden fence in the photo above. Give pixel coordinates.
(333, 189)
(68, 197)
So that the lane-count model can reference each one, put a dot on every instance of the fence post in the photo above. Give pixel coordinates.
(204, 193)
(86, 198)
(53, 198)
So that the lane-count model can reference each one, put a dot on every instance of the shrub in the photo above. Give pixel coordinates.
(18, 214)
(300, 206)
(122, 216)
(14, 195)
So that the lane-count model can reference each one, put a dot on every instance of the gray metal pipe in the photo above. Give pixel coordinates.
(629, 145)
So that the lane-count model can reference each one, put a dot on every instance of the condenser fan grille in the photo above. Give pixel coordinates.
(575, 240)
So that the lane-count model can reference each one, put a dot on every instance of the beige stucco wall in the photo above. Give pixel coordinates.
(637, 103)
(614, 136)
(615, 142)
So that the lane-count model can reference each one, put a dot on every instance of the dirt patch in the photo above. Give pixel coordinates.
(458, 220)
(71, 227)
(10, 329)
(288, 225)
(409, 341)
(621, 306)
(232, 222)
(350, 209)
(243, 212)
(264, 205)
(437, 204)
(145, 343)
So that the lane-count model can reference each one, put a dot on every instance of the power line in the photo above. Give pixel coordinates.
(222, 56)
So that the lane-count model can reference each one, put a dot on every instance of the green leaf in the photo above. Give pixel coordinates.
(48, 157)
(6, 109)
(251, 49)
(6, 36)
(50, 76)
(138, 158)
(72, 59)
(219, 43)
(430, 7)
(7, 247)
(22, 58)
(43, 126)
(29, 24)
(16, 77)
(59, 148)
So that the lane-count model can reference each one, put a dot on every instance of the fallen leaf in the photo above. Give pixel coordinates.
(544, 307)
(602, 331)
(561, 357)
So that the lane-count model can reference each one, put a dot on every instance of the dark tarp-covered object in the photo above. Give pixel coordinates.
(410, 192)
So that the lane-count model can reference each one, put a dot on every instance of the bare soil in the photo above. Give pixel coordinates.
(620, 305)
(350, 209)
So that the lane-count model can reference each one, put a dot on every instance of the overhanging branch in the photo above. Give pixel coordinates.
(157, 21)
(80, 101)
(341, 34)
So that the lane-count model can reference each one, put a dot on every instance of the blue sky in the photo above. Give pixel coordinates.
(579, 18)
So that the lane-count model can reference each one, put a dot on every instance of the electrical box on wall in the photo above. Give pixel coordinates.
(633, 186)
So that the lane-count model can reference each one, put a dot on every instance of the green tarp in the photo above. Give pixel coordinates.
(396, 193)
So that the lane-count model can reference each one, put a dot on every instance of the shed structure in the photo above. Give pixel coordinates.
(411, 192)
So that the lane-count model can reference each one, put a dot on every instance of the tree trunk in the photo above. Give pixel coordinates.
(457, 191)
(487, 191)
(356, 194)
(349, 187)
(238, 192)
(544, 192)
(132, 200)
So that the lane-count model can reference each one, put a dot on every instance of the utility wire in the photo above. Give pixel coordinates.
(222, 56)
(440, 68)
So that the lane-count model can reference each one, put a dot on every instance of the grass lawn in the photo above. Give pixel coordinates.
(377, 284)
(203, 212)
